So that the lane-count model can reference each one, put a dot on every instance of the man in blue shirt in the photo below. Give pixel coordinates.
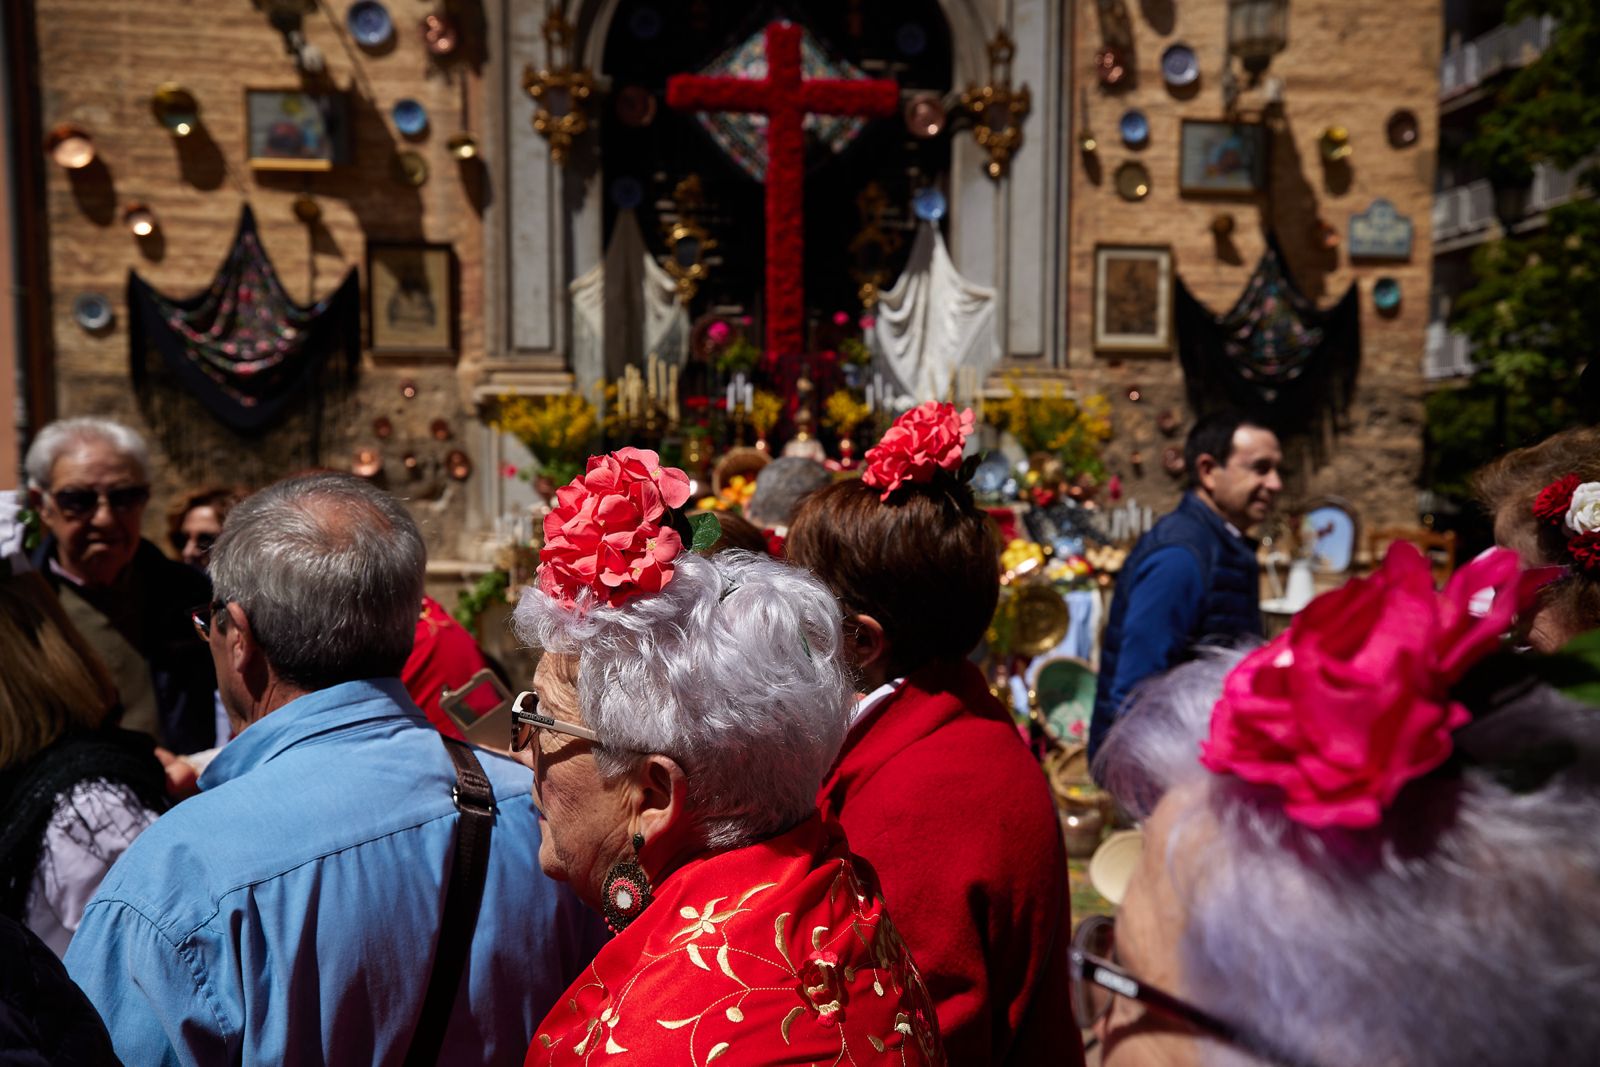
(1193, 575)
(290, 912)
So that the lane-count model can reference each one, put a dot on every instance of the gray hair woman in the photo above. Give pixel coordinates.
(1370, 842)
(682, 717)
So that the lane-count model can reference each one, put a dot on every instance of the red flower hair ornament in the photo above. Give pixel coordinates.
(925, 440)
(1353, 701)
(605, 540)
(1572, 505)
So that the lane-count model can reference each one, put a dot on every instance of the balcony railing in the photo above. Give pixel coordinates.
(1463, 209)
(1502, 48)
(1445, 354)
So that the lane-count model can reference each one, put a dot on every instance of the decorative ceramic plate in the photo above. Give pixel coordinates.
(1402, 128)
(92, 311)
(1133, 181)
(911, 39)
(411, 169)
(1386, 294)
(929, 204)
(1179, 66)
(636, 106)
(1135, 128)
(1066, 698)
(369, 23)
(410, 117)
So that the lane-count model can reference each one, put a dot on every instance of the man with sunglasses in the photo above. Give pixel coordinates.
(88, 478)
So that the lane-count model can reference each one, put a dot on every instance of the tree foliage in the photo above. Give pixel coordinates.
(1533, 313)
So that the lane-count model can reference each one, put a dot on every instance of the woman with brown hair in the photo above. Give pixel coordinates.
(1543, 502)
(194, 522)
(933, 785)
(74, 791)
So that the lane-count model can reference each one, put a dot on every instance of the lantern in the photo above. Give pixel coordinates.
(1257, 31)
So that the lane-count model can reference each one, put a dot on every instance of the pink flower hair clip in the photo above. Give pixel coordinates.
(607, 540)
(924, 441)
(1353, 701)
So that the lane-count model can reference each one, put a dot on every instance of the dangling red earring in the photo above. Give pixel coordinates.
(626, 890)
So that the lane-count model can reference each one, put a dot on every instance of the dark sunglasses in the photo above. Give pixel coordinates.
(1096, 982)
(202, 614)
(526, 722)
(205, 541)
(79, 503)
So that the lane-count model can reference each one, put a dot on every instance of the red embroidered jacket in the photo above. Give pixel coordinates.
(777, 953)
(937, 792)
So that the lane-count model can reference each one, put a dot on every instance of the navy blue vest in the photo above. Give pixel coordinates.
(1231, 606)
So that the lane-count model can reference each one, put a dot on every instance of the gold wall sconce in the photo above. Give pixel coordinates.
(688, 242)
(560, 92)
(997, 109)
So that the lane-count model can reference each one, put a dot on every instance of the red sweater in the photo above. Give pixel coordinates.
(937, 792)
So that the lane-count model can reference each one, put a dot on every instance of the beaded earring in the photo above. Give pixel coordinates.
(626, 890)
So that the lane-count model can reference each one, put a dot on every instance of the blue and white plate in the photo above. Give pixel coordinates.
(1135, 128)
(410, 117)
(369, 23)
(1386, 294)
(1179, 66)
(92, 311)
(929, 204)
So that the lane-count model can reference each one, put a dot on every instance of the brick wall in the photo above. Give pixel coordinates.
(1349, 63)
(98, 64)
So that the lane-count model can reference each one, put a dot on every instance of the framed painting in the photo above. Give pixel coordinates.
(1222, 158)
(289, 129)
(411, 298)
(1133, 298)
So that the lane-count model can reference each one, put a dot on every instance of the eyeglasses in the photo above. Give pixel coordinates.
(202, 614)
(77, 503)
(1096, 982)
(527, 722)
(202, 541)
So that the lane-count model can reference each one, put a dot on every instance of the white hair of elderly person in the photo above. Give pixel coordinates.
(682, 717)
(1371, 842)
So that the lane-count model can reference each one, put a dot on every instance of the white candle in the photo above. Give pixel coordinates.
(749, 396)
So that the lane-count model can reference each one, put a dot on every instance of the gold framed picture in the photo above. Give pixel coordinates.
(411, 298)
(290, 129)
(1133, 298)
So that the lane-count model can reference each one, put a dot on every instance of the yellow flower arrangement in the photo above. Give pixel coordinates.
(842, 412)
(558, 428)
(765, 408)
(1051, 421)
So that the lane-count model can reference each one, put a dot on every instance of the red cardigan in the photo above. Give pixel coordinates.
(937, 792)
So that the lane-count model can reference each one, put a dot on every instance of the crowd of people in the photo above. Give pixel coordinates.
(758, 805)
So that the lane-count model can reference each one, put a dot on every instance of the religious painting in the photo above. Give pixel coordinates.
(411, 297)
(1133, 298)
(287, 129)
(1222, 158)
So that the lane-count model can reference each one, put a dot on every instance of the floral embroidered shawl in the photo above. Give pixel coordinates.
(777, 953)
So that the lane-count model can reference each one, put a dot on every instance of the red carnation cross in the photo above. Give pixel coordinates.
(785, 98)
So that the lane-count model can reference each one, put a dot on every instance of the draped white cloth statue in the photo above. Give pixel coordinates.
(624, 308)
(934, 322)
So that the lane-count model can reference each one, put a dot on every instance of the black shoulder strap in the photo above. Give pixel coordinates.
(462, 899)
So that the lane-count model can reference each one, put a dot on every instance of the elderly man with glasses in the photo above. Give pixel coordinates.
(349, 887)
(89, 480)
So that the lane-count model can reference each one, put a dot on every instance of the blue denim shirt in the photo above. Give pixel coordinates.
(288, 913)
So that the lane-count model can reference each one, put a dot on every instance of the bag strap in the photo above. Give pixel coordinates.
(462, 899)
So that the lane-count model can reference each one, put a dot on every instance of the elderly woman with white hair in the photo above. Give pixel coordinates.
(682, 717)
(1376, 846)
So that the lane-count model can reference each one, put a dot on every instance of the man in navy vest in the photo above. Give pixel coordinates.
(1193, 576)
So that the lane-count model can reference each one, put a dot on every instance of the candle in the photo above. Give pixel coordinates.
(749, 396)
(869, 398)
(672, 395)
(733, 401)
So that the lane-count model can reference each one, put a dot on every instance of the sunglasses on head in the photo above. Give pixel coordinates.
(76, 503)
(527, 721)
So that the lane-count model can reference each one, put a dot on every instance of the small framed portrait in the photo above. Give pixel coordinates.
(289, 129)
(411, 298)
(1222, 158)
(1133, 298)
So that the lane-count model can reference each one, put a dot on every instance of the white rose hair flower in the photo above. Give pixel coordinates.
(1583, 513)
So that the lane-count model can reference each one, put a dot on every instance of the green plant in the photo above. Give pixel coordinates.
(476, 598)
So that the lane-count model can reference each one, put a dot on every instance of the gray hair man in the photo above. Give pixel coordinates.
(89, 480)
(292, 910)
